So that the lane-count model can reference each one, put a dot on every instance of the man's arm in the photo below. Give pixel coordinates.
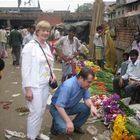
(69, 124)
(57, 47)
(93, 109)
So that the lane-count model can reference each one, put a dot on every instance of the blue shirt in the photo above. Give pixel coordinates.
(69, 93)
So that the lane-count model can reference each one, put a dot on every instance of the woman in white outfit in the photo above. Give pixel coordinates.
(35, 78)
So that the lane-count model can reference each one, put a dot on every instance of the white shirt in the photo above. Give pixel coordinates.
(98, 40)
(34, 68)
(133, 71)
(3, 36)
(56, 34)
(68, 49)
(28, 38)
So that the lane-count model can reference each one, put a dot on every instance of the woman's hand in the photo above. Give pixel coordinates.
(29, 94)
(53, 79)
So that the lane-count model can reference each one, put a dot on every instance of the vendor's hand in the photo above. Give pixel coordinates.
(121, 83)
(29, 95)
(93, 111)
(133, 82)
(68, 60)
(76, 53)
(70, 127)
(137, 84)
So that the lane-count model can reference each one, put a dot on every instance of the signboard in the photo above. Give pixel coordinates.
(130, 1)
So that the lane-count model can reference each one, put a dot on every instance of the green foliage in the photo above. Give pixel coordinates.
(133, 129)
(86, 7)
(126, 109)
(106, 77)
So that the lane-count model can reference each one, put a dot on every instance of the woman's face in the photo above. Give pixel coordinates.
(43, 34)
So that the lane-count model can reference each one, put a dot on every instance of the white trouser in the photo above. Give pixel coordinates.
(37, 108)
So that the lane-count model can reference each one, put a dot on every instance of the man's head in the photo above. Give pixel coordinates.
(137, 36)
(32, 29)
(85, 77)
(133, 55)
(125, 56)
(72, 32)
(99, 29)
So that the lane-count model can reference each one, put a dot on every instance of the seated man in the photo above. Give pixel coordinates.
(121, 71)
(123, 68)
(2, 65)
(66, 101)
(130, 81)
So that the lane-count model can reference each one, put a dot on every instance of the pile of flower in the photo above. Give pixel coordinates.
(103, 80)
(81, 64)
(120, 131)
(97, 100)
(111, 108)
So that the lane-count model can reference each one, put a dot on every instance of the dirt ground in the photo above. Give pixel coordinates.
(10, 84)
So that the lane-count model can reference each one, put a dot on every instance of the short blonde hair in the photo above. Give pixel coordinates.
(43, 25)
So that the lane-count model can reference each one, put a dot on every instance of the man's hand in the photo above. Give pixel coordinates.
(137, 84)
(66, 118)
(121, 83)
(93, 111)
(70, 127)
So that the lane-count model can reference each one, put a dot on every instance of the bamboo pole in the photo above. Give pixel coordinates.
(97, 19)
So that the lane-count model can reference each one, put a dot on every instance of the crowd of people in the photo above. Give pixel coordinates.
(34, 52)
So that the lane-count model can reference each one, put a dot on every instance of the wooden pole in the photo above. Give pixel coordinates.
(97, 19)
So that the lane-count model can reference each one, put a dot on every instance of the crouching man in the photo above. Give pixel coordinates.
(66, 101)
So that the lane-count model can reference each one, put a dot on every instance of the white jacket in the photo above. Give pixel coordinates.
(30, 66)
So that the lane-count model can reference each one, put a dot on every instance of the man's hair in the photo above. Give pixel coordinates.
(133, 53)
(72, 29)
(32, 27)
(137, 34)
(85, 72)
(126, 54)
(2, 64)
(99, 28)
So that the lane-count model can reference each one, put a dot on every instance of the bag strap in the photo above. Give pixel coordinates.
(46, 58)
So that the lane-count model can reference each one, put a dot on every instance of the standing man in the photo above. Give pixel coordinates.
(66, 101)
(69, 50)
(3, 41)
(136, 43)
(15, 41)
(99, 47)
(30, 36)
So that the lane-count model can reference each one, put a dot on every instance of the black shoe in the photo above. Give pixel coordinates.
(14, 63)
(79, 130)
(53, 131)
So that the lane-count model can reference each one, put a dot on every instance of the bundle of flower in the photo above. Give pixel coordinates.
(98, 88)
(111, 108)
(81, 64)
(106, 78)
(120, 132)
(97, 100)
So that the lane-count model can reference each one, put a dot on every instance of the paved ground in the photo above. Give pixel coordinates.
(9, 119)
